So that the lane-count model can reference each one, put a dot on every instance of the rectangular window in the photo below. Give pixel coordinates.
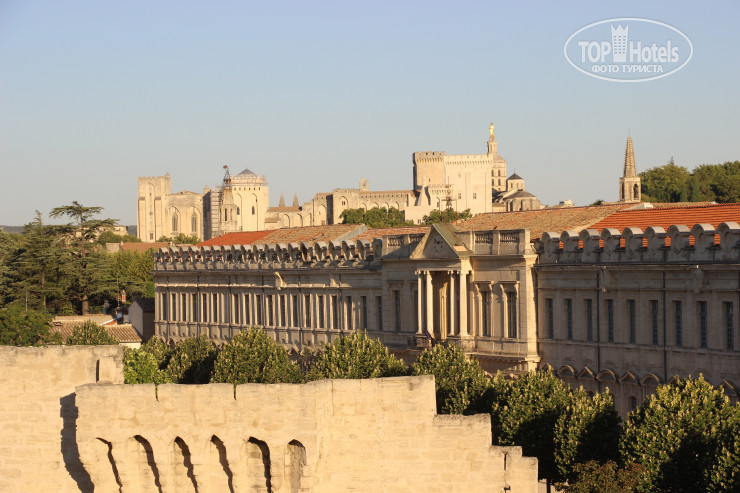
(678, 311)
(475, 195)
(194, 301)
(729, 325)
(633, 320)
(237, 309)
(307, 310)
(397, 305)
(511, 312)
(569, 314)
(258, 307)
(320, 310)
(416, 309)
(364, 312)
(283, 322)
(334, 312)
(654, 321)
(486, 312)
(214, 309)
(589, 320)
(184, 307)
(204, 310)
(610, 320)
(295, 320)
(550, 318)
(227, 308)
(703, 323)
(270, 311)
(379, 303)
(163, 312)
(247, 310)
(350, 315)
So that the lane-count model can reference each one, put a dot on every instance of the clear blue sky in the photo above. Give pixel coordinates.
(317, 95)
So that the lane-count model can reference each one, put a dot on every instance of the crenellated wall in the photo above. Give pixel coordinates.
(332, 435)
(700, 243)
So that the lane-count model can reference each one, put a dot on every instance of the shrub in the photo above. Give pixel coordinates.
(459, 382)
(141, 366)
(253, 357)
(192, 361)
(356, 356)
(89, 333)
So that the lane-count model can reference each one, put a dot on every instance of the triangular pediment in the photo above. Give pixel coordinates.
(440, 242)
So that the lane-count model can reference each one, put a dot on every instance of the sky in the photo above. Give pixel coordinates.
(318, 95)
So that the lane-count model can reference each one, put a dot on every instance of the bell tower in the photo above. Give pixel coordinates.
(629, 183)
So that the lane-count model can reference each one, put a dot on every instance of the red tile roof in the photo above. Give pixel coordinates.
(667, 216)
(539, 221)
(122, 332)
(239, 238)
(371, 234)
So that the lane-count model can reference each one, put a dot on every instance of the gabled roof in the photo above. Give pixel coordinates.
(539, 221)
(665, 217)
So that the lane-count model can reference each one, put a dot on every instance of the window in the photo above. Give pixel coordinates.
(459, 196)
(729, 325)
(247, 303)
(654, 321)
(253, 210)
(633, 321)
(569, 314)
(678, 309)
(151, 236)
(486, 312)
(238, 211)
(610, 320)
(194, 223)
(194, 302)
(703, 324)
(295, 310)
(348, 308)
(214, 308)
(364, 312)
(589, 320)
(258, 306)
(511, 312)
(237, 309)
(475, 195)
(379, 303)
(307, 310)
(270, 311)
(633, 403)
(334, 312)
(283, 322)
(183, 307)
(550, 318)
(204, 312)
(164, 315)
(397, 304)
(320, 310)
(174, 222)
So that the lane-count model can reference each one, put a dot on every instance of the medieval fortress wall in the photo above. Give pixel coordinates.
(67, 408)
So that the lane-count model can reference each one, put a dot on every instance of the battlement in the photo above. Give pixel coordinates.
(680, 244)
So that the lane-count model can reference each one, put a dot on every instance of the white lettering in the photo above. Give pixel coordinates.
(606, 48)
(583, 45)
(593, 56)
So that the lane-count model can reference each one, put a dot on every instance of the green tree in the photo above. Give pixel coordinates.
(678, 436)
(89, 273)
(356, 356)
(133, 271)
(376, 217)
(587, 430)
(595, 477)
(525, 412)
(253, 357)
(180, 239)
(88, 333)
(161, 352)
(447, 216)
(141, 366)
(111, 237)
(192, 361)
(460, 384)
(664, 183)
(20, 327)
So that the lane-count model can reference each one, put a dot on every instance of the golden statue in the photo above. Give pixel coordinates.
(490, 130)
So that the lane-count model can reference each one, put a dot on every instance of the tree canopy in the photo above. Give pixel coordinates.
(22, 327)
(707, 182)
(446, 216)
(376, 217)
(89, 333)
(356, 356)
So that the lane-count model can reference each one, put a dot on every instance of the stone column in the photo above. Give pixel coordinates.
(463, 303)
(452, 302)
(419, 301)
(430, 305)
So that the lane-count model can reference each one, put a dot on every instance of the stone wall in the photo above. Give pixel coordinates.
(332, 435)
(38, 447)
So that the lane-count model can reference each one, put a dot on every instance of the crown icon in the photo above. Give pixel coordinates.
(619, 43)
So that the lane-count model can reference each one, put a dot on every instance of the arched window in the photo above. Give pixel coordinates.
(253, 210)
(636, 192)
(226, 215)
(174, 222)
(194, 223)
(238, 211)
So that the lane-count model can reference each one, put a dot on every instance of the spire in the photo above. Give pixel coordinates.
(629, 160)
(282, 201)
(295, 200)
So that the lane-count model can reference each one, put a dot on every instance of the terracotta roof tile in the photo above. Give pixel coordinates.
(238, 238)
(122, 332)
(539, 221)
(371, 234)
(288, 235)
(665, 217)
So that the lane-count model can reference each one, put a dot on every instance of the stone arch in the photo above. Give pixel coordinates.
(100, 472)
(145, 470)
(222, 479)
(182, 466)
(286, 221)
(295, 462)
(374, 205)
(257, 455)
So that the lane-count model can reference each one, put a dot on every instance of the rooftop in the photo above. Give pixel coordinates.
(665, 216)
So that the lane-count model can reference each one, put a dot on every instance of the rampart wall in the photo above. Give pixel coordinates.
(327, 436)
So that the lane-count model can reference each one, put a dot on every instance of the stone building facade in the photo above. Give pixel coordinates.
(68, 423)
(584, 301)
